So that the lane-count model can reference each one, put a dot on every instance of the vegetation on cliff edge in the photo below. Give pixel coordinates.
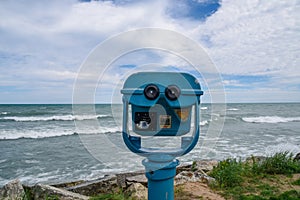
(272, 178)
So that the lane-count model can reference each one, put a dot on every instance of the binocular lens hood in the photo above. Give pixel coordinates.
(172, 92)
(151, 91)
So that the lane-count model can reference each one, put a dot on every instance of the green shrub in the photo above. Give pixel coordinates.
(288, 195)
(245, 180)
(251, 197)
(228, 173)
(28, 193)
(296, 182)
(194, 166)
(267, 190)
(52, 197)
(279, 163)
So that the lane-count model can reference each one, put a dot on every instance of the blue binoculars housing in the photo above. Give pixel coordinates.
(161, 104)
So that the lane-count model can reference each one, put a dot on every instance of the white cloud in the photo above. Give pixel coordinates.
(251, 37)
(235, 83)
(47, 40)
(105, 18)
(55, 75)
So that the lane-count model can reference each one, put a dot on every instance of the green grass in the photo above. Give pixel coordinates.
(228, 173)
(279, 163)
(289, 195)
(52, 197)
(194, 166)
(120, 196)
(28, 194)
(255, 180)
(296, 182)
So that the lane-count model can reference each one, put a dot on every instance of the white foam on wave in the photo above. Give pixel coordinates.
(4, 113)
(233, 109)
(31, 161)
(54, 118)
(270, 119)
(99, 130)
(44, 177)
(2, 161)
(203, 108)
(57, 176)
(282, 147)
(203, 123)
(3, 181)
(34, 134)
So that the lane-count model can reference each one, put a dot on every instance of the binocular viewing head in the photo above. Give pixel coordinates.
(160, 104)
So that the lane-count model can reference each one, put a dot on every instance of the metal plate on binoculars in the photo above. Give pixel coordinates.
(145, 121)
(165, 121)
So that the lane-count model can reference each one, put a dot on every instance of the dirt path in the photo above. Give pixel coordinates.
(196, 191)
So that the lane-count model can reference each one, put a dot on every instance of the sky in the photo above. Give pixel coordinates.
(254, 44)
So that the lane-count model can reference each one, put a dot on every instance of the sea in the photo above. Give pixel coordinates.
(42, 143)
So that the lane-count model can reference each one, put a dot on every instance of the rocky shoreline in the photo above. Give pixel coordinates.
(134, 184)
(192, 178)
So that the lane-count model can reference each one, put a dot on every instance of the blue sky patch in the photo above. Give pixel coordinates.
(245, 81)
(193, 9)
(128, 66)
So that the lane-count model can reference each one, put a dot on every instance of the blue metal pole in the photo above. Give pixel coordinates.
(160, 176)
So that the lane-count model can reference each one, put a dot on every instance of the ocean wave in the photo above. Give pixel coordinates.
(2, 161)
(54, 118)
(270, 119)
(233, 109)
(59, 176)
(48, 134)
(283, 146)
(33, 135)
(4, 113)
(203, 108)
(203, 123)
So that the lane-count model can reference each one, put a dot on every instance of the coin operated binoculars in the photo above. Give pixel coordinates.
(161, 105)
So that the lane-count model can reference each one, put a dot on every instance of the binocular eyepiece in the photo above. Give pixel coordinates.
(151, 92)
(172, 92)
